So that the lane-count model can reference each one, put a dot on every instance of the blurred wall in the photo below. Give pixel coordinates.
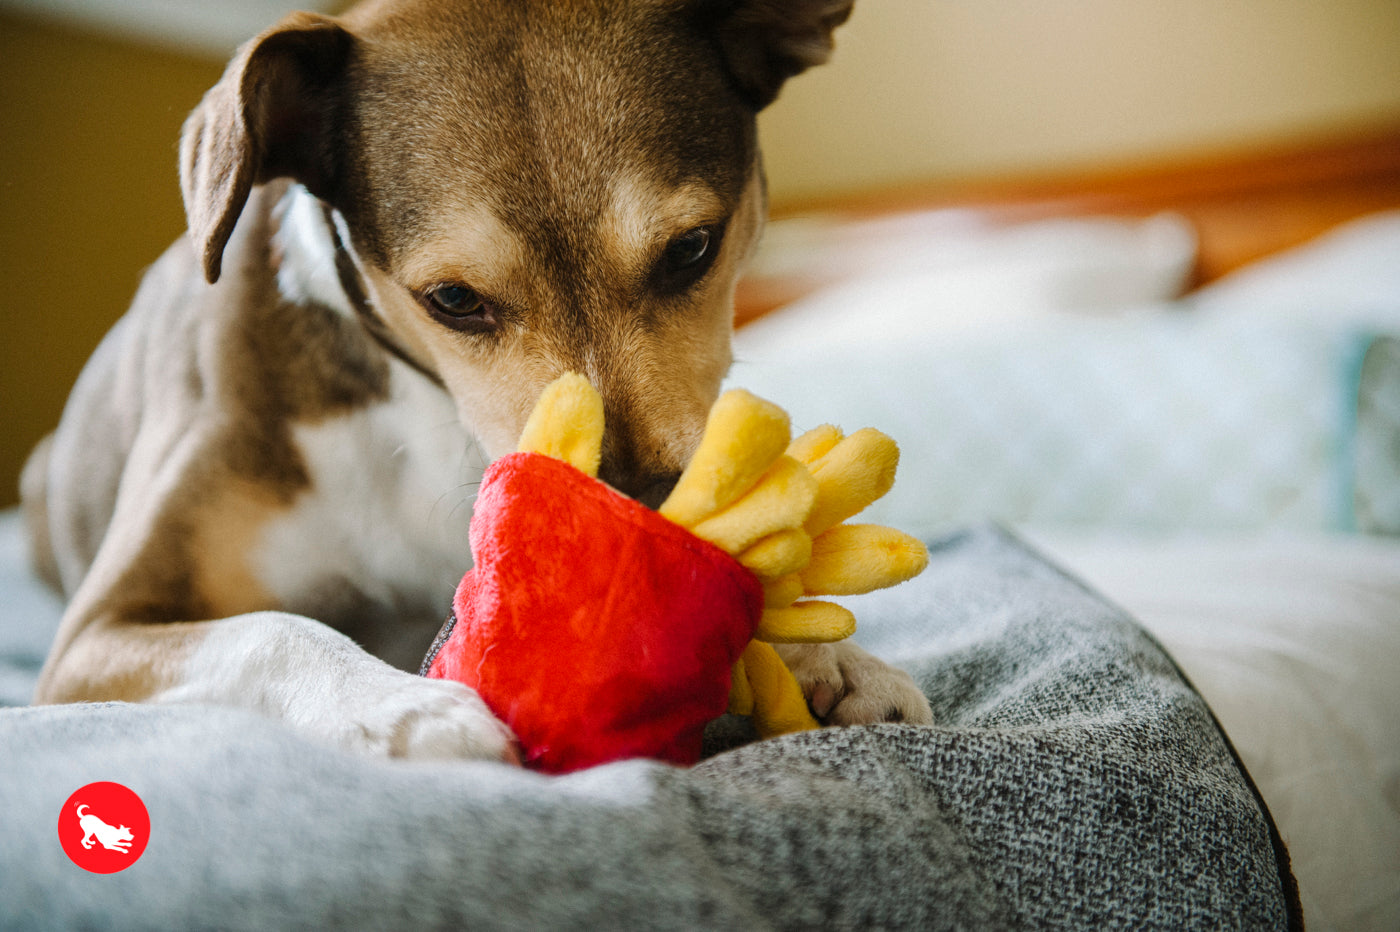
(918, 90)
(927, 90)
(89, 196)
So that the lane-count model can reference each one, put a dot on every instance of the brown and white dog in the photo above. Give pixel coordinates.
(403, 223)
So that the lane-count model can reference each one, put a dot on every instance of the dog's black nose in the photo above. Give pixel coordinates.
(650, 489)
(645, 476)
(655, 490)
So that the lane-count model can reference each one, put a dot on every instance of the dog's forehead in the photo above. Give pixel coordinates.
(553, 116)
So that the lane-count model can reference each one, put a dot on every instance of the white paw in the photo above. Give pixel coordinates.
(323, 684)
(397, 714)
(844, 685)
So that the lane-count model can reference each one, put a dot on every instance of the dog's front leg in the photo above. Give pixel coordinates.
(287, 667)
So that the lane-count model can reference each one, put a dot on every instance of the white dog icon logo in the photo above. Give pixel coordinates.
(113, 838)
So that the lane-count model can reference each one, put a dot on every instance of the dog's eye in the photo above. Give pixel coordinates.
(688, 249)
(460, 307)
(688, 257)
(455, 300)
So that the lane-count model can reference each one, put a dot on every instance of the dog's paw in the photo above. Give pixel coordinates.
(406, 716)
(844, 685)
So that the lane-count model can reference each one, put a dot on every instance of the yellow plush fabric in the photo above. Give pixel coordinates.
(853, 558)
(787, 530)
(850, 475)
(743, 437)
(809, 622)
(782, 553)
(778, 503)
(567, 424)
(777, 705)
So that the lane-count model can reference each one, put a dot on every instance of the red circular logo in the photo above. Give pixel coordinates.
(104, 827)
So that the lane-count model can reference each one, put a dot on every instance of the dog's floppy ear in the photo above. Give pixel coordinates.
(765, 42)
(270, 115)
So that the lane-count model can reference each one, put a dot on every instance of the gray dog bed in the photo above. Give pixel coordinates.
(1073, 780)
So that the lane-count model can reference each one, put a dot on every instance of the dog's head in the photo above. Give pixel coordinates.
(530, 187)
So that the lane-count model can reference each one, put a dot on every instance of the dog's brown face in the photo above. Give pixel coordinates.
(531, 186)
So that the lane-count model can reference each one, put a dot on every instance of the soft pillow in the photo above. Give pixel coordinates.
(1162, 421)
(1350, 275)
(949, 270)
(1377, 494)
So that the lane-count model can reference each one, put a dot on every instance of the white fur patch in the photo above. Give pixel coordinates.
(390, 504)
(308, 271)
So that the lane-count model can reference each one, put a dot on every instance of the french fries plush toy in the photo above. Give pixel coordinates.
(599, 630)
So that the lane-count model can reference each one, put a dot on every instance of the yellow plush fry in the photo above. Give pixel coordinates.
(567, 424)
(743, 436)
(783, 591)
(740, 692)
(781, 500)
(850, 476)
(814, 444)
(780, 554)
(806, 623)
(778, 706)
(850, 559)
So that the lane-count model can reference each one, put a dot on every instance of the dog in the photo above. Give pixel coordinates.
(112, 837)
(403, 223)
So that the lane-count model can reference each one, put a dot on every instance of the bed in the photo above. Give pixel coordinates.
(1157, 462)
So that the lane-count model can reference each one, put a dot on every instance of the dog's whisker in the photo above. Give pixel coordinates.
(465, 501)
(470, 462)
(430, 430)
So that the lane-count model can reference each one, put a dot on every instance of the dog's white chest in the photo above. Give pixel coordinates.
(384, 526)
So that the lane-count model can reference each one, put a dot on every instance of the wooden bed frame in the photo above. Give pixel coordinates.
(1244, 205)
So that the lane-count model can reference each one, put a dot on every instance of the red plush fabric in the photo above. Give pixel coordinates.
(595, 628)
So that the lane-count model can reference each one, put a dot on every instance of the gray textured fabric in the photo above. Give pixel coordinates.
(1073, 781)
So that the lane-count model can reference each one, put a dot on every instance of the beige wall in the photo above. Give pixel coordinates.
(944, 89)
(919, 90)
(89, 197)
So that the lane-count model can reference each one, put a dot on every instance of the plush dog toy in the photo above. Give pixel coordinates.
(600, 630)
